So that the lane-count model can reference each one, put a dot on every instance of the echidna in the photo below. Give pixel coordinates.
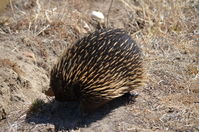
(102, 66)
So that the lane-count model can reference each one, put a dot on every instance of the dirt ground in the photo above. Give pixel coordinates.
(34, 33)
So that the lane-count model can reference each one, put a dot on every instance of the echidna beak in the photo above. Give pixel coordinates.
(49, 92)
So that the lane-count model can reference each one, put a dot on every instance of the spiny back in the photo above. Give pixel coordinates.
(101, 66)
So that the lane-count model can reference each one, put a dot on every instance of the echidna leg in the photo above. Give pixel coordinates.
(130, 96)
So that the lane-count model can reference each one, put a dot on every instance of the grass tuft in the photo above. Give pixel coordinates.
(36, 106)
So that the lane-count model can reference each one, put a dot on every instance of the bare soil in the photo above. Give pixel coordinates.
(33, 34)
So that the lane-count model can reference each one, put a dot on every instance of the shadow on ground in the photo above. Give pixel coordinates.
(66, 116)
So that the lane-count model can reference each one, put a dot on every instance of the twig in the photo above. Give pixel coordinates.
(109, 12)
(11, 5)
(43, 29)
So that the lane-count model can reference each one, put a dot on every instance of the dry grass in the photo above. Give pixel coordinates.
(10, 64)
(3, 4)
(166, 30)
(36, 106)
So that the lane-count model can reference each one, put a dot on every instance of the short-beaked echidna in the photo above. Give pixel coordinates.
(98, 68)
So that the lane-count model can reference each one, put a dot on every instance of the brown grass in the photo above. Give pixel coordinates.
(11, 64)
(166, 30)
